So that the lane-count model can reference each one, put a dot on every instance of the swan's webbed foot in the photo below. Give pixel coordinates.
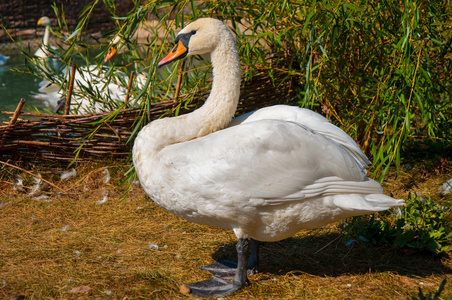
(222, 269)
(226, 269)
(228, 276)
(214, 287)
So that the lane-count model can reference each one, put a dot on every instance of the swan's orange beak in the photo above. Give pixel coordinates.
(179, 51)
(110, 53)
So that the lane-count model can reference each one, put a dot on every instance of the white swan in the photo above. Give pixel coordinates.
(268, 175)
(92, 77)
(43, 50)
(87, 80)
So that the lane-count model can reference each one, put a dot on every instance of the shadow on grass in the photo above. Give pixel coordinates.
(328, 255)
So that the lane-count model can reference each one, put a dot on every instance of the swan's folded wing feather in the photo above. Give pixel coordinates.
(271, 160)
(310, 119)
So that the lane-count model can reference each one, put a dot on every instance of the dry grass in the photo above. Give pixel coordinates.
(73, 247)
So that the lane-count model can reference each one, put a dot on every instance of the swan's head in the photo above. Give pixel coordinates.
(199, 37)
(113, 48)
(44, 21)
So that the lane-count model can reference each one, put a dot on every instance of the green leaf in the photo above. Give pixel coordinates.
(75, 33)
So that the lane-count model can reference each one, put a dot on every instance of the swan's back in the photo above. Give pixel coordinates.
(311, 120)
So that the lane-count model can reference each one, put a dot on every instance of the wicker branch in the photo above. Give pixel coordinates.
(61, 137)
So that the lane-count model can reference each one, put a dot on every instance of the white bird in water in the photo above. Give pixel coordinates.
(89, 80)
(3, 59)
(265, 175)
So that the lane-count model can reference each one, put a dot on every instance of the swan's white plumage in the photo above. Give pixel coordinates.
(266, 176)
(43, 50)
(311, 120)
(92, 78)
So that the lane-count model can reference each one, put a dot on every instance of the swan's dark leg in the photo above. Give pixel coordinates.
(218, 285)
(242, 261)
(253, 262)
(225, 269)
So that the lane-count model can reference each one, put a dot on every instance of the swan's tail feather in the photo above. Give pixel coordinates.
(366, 203)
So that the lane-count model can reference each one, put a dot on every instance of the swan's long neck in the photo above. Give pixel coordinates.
(220, 106)
(215, 114)
(45, 39)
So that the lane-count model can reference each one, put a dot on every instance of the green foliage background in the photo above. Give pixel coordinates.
(381, 70)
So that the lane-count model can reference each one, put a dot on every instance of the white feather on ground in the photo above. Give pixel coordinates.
(68, 174)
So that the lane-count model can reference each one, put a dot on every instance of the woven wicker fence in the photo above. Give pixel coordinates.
(63, 138)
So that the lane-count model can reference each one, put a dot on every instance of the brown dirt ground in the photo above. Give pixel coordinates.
(76, 247)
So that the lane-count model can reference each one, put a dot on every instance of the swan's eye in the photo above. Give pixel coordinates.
(193, 32)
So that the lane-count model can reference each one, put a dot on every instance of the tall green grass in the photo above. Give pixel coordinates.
(381, 70)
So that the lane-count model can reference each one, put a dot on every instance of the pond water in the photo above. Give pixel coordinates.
(16, 85)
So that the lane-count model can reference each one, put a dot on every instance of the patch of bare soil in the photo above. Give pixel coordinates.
(78, 238)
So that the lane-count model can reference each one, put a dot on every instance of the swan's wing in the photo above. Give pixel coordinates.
(100, 81)
(94, 79)
(48, 94)
(268, 159)
(310, 119)
(46, 86)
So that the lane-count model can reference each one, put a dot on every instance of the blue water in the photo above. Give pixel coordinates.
(16, 85)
